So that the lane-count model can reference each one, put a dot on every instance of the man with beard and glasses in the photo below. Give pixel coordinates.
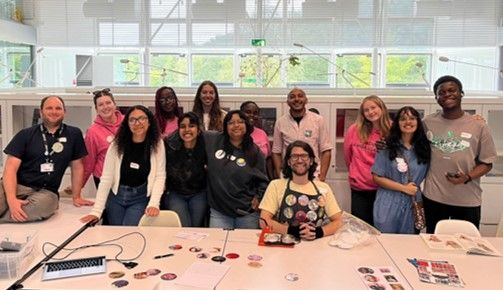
(301, 124)
(299, 205)
(462, 150)
(37, 158)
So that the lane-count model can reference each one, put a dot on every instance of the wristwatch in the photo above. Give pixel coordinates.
(468, 180)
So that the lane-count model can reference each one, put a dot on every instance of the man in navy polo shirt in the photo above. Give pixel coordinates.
(37, 158)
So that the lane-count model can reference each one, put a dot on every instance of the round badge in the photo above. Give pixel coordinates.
(321, 201)
(312, 216)
(120, 283)
(429, 136)
(232, 157)
(255, 264)
(220, 154)
(319, 222)
(241, 162)
(175, 247)
(203, 255)
(153, 272)
(110, 138)
(303, 200)
(254, 257)
(300, 216)
(313, 204)
(195, 249)
(57, 147)
(116, 274)
(168, 276)
(290, 199)
(292, 277)
(232, 256)
(365, 270)
(288, 212)
(140, 275)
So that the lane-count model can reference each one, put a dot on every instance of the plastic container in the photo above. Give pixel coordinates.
(15, 264)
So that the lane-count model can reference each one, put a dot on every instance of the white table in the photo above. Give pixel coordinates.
(478, 272)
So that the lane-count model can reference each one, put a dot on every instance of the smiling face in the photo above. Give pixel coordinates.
(207, 95)
(449, 96)
(297, 101)
(188, 132)
(105, 107)
(299, 161)
(236, 128)
(371, 111)
(252, 113)
(407, 123)
(52, 112)
(167, 100)
(138, 124)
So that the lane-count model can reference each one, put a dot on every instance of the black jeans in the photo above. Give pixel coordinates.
(436, 211)
(362, 204)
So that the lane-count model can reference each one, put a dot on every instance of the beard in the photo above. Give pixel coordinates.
(300, 171)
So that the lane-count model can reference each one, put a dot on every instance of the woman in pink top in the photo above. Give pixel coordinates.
(100, 134)
(259, 136)
(167, 110)
(372, 124)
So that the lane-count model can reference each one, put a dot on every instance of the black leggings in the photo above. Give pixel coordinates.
(362, 204)
(436, 211)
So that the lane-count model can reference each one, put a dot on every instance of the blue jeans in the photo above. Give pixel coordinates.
(191, 208)
(219, 220)
(127, 206)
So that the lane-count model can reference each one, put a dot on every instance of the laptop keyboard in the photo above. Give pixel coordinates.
(74, 268)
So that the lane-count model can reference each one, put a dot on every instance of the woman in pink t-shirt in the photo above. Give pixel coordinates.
(167, 110)
(372, 124)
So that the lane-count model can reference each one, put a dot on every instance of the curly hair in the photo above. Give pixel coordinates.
(215, 111)
(287, 170)
(124, 136)
(160, 115)
(422, 147)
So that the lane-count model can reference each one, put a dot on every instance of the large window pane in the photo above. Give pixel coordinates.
(217, 68)
(126, 69)
(119, 34)
(311, 70)
(168, 9)
(212, 34)
(408, 70)
(168, 34)
(15, 61)
(263, 72)
(168, 70)
(355, 71)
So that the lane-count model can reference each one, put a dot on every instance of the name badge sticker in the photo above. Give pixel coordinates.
(466, 135)
(62, 139)
(134, 165)
(47, 167)
(465, 144)
(308, 133)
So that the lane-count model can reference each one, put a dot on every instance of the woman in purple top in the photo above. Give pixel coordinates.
(167, 110)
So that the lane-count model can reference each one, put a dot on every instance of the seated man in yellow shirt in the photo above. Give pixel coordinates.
(298, 205)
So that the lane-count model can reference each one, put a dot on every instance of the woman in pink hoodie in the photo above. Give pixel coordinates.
(100, 134)
(372, 124)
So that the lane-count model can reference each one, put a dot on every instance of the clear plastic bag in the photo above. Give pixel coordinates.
(352, 233)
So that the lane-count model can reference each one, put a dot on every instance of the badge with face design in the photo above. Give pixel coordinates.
(290, 199)
(303, 200)
(313, 204)
(288, 212)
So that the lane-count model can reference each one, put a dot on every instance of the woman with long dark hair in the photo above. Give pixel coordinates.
(186, 173)
(207, 107)
(399, 171)
(236, 174)
(134, 172)
(166, 110)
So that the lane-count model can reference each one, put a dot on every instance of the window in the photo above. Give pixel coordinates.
(217, 68)
(408, 70)
(354, 71)
(168, 70)
(126, 69)
(269, 66)
(311, 70)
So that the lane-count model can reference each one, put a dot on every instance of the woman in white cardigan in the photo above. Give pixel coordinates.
(134, 172)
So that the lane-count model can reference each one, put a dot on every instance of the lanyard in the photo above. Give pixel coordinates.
(44, 138)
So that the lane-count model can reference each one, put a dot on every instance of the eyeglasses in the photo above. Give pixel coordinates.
(303, 157)
(139, 120)
(103, 91)
(168, 99)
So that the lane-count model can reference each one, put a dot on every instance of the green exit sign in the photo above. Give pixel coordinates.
(258, 42)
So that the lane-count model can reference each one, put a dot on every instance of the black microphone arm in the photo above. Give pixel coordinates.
(18, 284)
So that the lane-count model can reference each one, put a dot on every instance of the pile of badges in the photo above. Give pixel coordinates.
(279, 239)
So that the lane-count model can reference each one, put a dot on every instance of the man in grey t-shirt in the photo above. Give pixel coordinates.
(462, 151)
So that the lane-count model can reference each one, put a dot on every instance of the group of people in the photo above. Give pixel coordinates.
(209, 165)
(448, 151)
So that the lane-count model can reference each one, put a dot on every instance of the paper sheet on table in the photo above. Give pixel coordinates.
(203, 275)
(195, 236)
